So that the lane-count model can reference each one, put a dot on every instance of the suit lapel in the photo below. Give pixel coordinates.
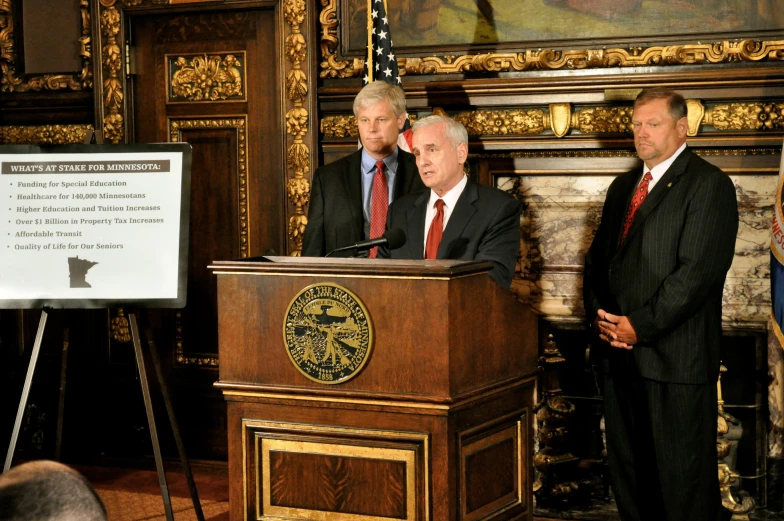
(659, 192)
(462, 213)
(406, 170)
(415, 226)
(352, 183)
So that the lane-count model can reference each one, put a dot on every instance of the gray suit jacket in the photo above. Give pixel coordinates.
(668, 275)
(484, 225)
(335, 215)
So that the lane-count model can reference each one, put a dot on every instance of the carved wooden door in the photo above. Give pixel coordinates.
(211, 79)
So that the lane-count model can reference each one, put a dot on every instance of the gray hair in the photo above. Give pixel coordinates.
(378, 90)
(675, 102)
(456, 133)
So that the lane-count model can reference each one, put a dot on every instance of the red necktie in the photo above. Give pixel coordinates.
(379, 204)
(639, 196)
(436, 231)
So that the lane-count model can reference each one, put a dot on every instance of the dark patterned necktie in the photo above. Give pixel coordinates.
(435, 232)
(639, 196)
(379, 204)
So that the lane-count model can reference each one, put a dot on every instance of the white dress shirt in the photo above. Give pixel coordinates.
(450, 200)
(659, 170)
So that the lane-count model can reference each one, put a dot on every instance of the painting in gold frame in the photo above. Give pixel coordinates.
(473, 24)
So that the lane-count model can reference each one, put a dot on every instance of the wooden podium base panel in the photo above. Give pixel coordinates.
(470, 465)
(323, 473)
(493, 468)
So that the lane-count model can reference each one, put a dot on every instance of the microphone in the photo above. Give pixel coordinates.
(393, 239)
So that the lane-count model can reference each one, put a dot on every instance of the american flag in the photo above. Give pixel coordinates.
(381, 63)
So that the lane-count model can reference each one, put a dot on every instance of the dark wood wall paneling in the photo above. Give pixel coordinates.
(238, 209)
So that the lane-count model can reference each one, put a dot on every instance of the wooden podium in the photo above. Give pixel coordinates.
(435, 426)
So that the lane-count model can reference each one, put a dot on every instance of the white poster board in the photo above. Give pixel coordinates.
(94, 226)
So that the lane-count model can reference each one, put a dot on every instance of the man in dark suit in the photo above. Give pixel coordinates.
(343, 206)
(652, 286)
(457, 218)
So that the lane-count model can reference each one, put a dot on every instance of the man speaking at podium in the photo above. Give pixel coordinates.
(350, 197)
(457, 218)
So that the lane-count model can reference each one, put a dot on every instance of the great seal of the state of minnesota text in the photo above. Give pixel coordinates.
(328, 333)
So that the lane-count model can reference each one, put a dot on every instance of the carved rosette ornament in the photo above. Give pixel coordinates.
(297, 122)
(206, 77)
(11, 83)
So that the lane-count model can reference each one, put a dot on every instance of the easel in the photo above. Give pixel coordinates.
(145, 393)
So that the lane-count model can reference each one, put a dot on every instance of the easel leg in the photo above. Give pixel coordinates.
(25, 391)
(175, 429)
(156, 447)
(58, 444)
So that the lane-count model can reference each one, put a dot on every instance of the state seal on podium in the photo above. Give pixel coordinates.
(328, 333)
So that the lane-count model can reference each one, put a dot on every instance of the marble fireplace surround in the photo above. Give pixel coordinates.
(563, 194)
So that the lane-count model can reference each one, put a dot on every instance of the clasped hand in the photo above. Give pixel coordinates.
(615, 330)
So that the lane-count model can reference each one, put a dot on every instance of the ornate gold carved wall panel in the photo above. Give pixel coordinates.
(112, 84)
(297, 122)
(616, 119)
(206, 77)
(44, 134)
(11, 82)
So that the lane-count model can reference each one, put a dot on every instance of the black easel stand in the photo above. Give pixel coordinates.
(147, 406)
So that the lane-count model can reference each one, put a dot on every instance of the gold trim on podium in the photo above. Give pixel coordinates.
(274, 439)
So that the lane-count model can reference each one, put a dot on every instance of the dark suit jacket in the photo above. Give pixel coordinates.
(484, 225)
(335, 215)
(668, 275)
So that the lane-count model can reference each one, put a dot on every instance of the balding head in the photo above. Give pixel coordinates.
(48, 491)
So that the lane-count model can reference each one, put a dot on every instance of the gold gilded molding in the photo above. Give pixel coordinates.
(331, 67)
(339, 126)
(560, 117)
(266, 446)
(259, 437)
(617, 119)
(120, 328)
(502, 122)
(297, 120)
(546, 59)
(179, 354)
(44, 134)
(12, 83)
(603, 119)
(206, 77)
(537, 154)
(745, 116)
(694, 114)
(240, 124)
(111, 65)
